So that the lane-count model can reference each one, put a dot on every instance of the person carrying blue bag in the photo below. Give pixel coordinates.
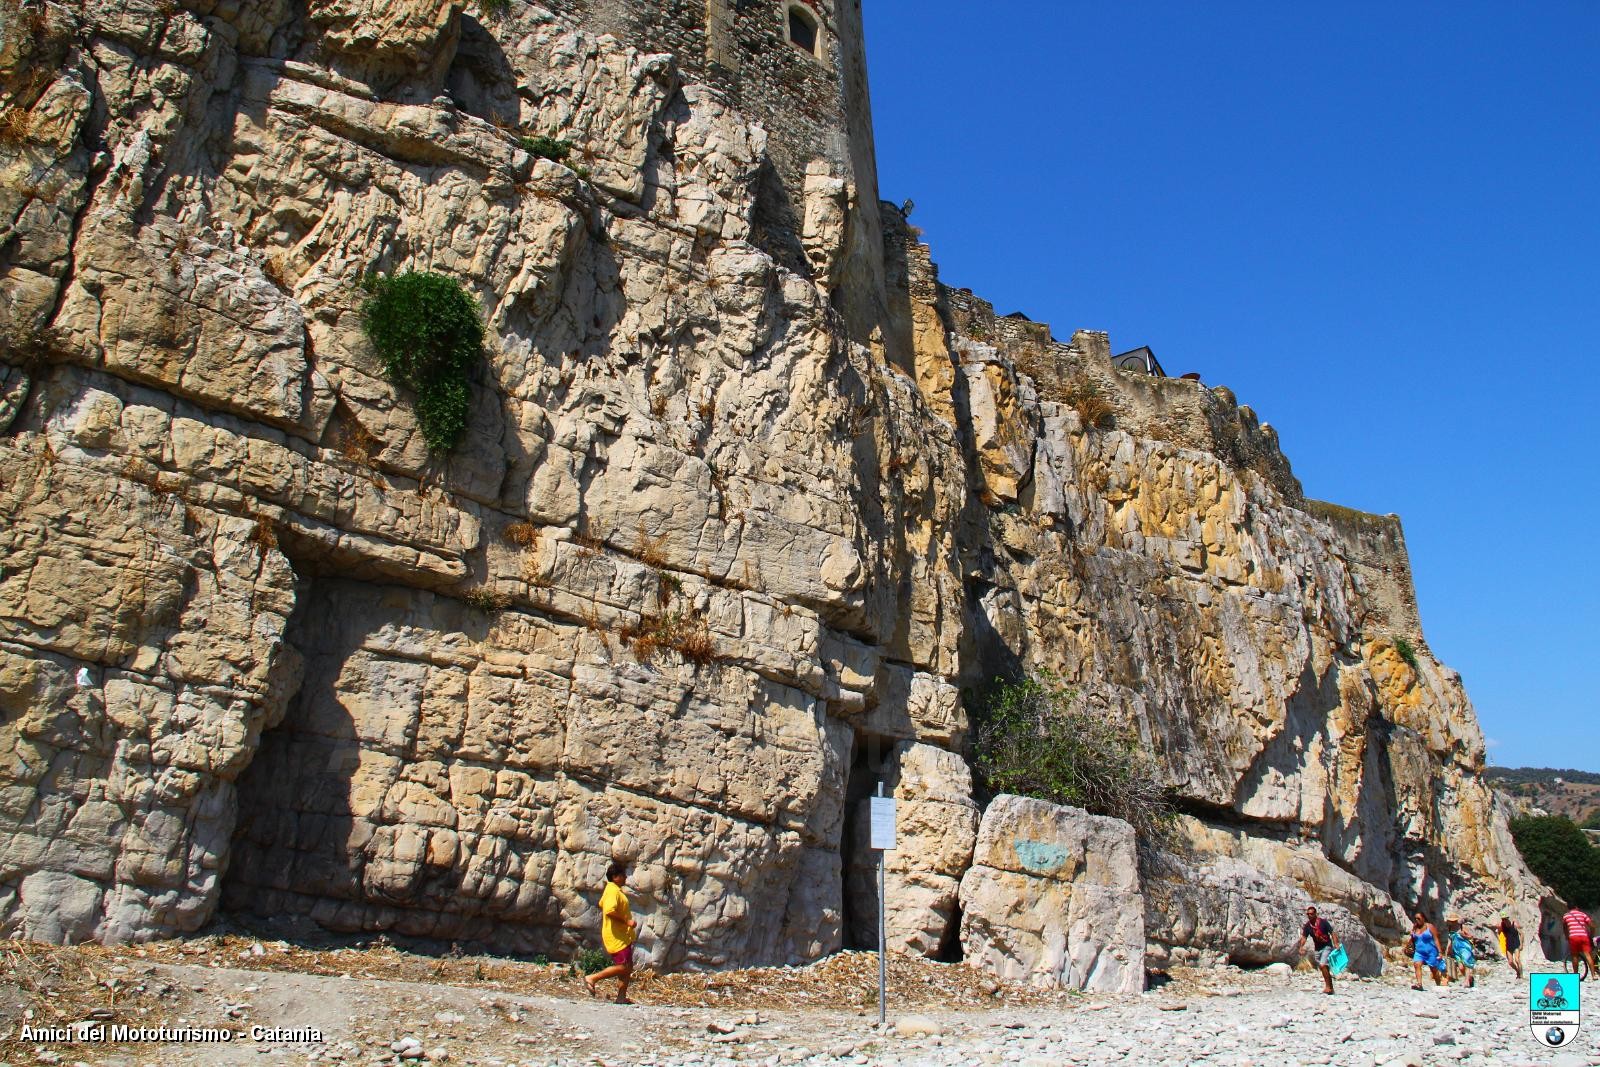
(1463, 958)
(1324, 943)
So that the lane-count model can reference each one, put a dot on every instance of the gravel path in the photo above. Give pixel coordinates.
(1244, 1019)
(384, 1007)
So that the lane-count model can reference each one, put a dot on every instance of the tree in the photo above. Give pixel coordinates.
(1561, 855)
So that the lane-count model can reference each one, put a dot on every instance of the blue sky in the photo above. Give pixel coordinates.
(1378, 224)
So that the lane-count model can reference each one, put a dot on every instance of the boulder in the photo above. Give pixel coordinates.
(1053, 898)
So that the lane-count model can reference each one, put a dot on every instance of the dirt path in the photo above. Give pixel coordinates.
(376, 1004)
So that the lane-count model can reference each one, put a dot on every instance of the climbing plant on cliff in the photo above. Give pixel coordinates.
(1561, 855)
(1035, 739)
(428, 331)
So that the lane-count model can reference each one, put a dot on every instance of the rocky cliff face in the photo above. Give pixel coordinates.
(710, 562)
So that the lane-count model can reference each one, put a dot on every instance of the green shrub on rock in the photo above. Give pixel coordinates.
(547, 147)
(1403, 649)
(428, 332)
(1034, 739)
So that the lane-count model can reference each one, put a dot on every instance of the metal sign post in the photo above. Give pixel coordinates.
(882, 839)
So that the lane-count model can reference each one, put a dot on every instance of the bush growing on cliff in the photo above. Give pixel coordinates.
(1561, 855)
(428, 332)
(1034, 739)
(1403, 649)
(547, 148)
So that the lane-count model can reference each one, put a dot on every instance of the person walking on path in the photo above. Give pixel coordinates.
(1323, 941)
(1580, 938)
(1425, 950)
(1463, 957)
(618, 931)
(1511, 943)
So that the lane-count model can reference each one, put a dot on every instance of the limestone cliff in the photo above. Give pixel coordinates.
(746, 499)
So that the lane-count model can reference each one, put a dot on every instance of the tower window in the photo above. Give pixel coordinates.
(802, 29)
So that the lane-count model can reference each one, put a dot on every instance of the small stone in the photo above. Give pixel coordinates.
(407, 1048)
(917, 1026)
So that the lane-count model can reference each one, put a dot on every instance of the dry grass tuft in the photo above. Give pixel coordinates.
(357, 444)
(1090, 404)
(648, 549)
(707, 409)
(688, 636)
(658, 405)
(16, 125)
(485, 599)
(523, 534)
(588, 544)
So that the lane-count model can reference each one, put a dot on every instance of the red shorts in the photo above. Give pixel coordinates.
(1578, 945)
(623, 957)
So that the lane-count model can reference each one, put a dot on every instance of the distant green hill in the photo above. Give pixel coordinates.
(1574, 794)
(1540, 774)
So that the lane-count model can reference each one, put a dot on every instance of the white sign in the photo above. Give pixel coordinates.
(882, 834)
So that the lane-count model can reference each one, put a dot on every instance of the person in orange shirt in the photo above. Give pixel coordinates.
(618, 931)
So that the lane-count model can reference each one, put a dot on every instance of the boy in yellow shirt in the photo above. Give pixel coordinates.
(618, 931)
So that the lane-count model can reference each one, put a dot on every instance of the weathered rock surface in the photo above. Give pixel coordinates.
(1215, 893)
(1053, 898)
(746, 499)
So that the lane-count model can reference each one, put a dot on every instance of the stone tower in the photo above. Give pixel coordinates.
(798, 68)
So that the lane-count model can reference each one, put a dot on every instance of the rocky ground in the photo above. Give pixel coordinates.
(378, 1004)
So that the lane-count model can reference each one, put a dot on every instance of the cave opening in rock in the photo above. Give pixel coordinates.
(860, 863)
(293, 820)
(950, 949)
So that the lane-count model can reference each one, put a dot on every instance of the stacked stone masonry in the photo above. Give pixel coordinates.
(261, 650)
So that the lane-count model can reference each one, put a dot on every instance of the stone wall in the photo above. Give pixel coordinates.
(813, 109)
(1375, 547)
(747, 501)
